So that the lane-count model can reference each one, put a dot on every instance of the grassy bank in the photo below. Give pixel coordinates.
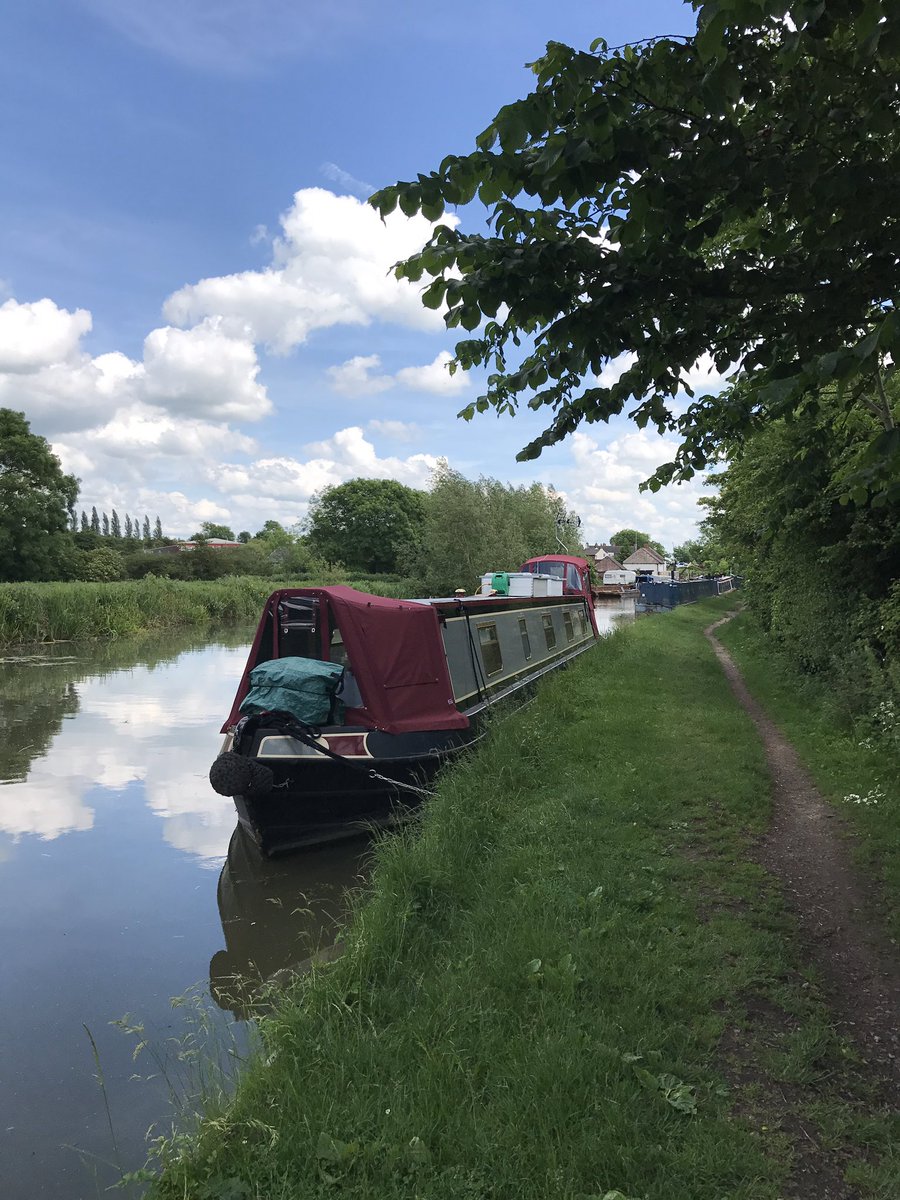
(855, 764)
(535, 990)
(54, 612)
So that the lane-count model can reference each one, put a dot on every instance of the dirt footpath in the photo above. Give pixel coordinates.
(807, 850)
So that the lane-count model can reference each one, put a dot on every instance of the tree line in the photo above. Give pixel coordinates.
(445, 538)
(439, 539)
(111, 526)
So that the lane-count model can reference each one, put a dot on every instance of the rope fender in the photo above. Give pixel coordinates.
(234, 775)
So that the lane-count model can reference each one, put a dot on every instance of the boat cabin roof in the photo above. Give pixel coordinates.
(565, 558)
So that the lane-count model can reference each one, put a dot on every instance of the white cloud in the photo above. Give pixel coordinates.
(190, 373)
(331, 266)
(123, 463)
(148, 432)
(72, 394)
(284, 485)
(615, 369)
(704, 376)
(203, 372)
(38, 334)
(603, 488)
(356, 377)
(435, 377)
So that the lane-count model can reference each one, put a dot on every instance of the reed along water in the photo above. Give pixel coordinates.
(124, 883)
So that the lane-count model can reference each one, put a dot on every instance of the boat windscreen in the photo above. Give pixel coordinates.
(556, 569)
(298, 627)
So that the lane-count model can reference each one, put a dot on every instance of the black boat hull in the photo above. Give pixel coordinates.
(291, 818)
(316, 800)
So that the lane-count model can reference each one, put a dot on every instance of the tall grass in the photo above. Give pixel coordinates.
(54, 612)
(532, 995)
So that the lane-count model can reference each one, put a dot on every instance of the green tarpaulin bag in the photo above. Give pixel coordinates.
(304, 687)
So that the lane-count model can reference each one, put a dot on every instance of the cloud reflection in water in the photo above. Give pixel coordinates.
(145, 730)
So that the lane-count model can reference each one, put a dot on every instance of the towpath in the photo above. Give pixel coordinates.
(807, 849)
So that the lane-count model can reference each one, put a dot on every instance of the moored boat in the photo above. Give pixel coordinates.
(349, 702)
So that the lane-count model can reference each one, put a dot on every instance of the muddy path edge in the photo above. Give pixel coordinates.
(807, 849)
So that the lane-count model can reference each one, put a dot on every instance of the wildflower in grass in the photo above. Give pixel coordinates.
(874, 796)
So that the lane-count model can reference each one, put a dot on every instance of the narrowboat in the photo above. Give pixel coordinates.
(349, 702)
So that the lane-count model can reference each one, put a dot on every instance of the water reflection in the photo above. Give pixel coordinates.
(278, 913)
(107, 717)
(613, 612)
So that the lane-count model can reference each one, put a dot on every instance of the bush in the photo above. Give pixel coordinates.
(103, 565)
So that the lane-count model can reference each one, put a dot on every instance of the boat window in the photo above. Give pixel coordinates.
(570, 626)
(526, 640)
(337, 651)
(556, 569)
(573, 579)
(549, 631)
(490, 649)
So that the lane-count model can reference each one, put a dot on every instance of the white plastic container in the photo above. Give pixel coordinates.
(554, 586)
(540, 585)
(486, 581)
(521, 583)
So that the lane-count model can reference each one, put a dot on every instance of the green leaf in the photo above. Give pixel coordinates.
(710, 35)
(433, 295)
(409, 203)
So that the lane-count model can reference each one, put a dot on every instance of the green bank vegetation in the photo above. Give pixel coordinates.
(53, 612)
(534, 992)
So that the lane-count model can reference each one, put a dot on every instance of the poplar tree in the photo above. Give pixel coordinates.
(157, 529)
(105, 524)
(146, 529)
(115, 525)
(85, 524)
(95, 519)
(127, 526)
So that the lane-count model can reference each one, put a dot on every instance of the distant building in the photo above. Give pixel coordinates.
(596, 554)
(647, 562)
(606, 563)
(211, 543)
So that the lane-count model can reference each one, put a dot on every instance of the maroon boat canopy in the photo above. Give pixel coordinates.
(396, 653)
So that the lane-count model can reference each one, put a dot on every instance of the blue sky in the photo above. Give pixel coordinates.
(194, 305)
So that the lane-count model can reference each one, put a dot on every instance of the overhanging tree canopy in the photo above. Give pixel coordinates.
(733, 193)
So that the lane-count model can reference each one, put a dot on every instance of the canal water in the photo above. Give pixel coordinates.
(124, 884)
